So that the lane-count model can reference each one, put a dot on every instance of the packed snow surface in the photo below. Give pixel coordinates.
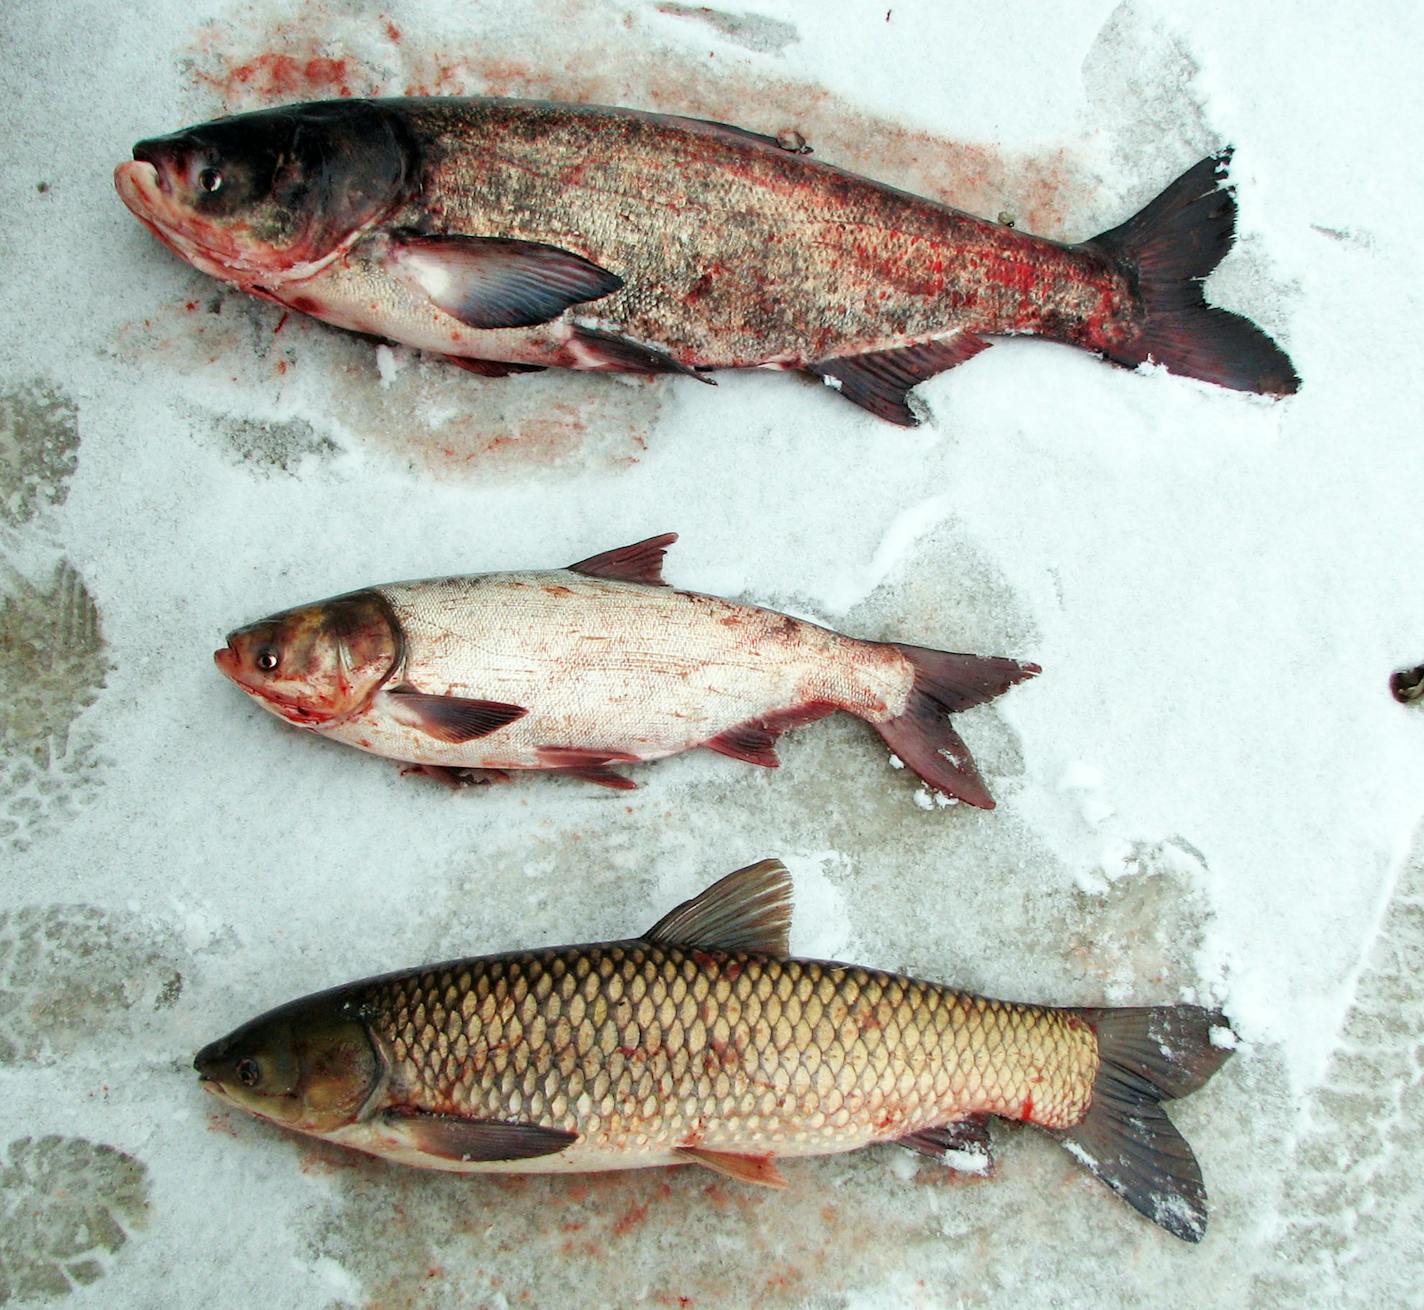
(1209, 794)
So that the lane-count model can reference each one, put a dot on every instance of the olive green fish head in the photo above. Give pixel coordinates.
(319, 664)
(268, 196)
(310, 1066)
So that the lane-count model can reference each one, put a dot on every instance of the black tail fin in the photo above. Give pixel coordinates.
(922, 737)
(1148, 1056)
(1169, 248)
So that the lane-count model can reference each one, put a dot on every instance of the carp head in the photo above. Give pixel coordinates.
(271, 196)
(319, 664)
(310, 1065)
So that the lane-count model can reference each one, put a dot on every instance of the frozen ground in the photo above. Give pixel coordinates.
(1208, 794)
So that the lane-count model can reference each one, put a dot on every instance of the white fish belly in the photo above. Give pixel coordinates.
(610, 668)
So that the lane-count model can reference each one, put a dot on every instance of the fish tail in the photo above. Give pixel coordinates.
(922, 736)
(1147, 1056)
(1168, 249)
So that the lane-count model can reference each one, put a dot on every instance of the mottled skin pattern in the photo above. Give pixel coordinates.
(608, 667)
(734, 252)
(642, 1048)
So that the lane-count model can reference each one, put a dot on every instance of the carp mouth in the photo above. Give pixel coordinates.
(284, 707)
(146, 188)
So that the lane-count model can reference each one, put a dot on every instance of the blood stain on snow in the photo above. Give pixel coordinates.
(286, 59)
(557, 420)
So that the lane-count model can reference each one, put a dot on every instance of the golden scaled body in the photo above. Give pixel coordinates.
(642, 1049)
(703, 1041)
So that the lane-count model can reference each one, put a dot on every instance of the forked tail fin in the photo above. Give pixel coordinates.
(1148, 1056)
(922, 736)
(1168, 249)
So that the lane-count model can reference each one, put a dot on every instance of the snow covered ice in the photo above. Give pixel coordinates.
(1209, 793)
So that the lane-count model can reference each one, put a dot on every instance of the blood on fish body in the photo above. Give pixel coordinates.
(704, 1042)
(539, 235)
(600, 664)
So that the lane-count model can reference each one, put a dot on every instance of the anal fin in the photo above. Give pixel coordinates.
(963, 1145)
(881, 380)
(758, 1169)
(755, 740)
(492, 368)
(747, 741)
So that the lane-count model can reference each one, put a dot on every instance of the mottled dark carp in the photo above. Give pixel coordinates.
(703, 1042)
(510, 235)
(601, 663)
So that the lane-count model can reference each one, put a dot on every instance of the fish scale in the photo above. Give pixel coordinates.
(704, 1041)
(634, 1046)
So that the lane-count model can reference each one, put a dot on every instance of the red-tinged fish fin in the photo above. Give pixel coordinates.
(603, 777)
(1146, 1056)
(454, 777)
(451, 718)
(591, 766)
(758, 1169)
(747, 741)
(749, 910)
(452, 1138)
(1169, 248)
(640, 562)
(607, 352)
(922, 736)
(881, 381)
(496, 282)
(492, 368)
(967, 1136)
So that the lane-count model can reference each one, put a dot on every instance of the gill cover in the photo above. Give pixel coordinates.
(317, 664)
(310, 1065)
(278, 188)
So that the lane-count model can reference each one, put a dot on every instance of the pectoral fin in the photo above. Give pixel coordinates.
(451, 718)
(758, 1169)
(496, 282)
(452, 1138)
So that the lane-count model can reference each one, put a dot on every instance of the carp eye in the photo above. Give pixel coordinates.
(248, 1074)
(267, 659)
(210, 179)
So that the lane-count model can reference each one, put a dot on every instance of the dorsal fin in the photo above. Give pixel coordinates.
(640, 562)
(749, 910)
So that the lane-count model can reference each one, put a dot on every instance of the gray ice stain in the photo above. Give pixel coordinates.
(39, 445)
(67, 1207)
(52, 667)
(74, 975)
(752, 31)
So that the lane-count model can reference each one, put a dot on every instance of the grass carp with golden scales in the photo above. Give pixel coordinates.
(703, 1042)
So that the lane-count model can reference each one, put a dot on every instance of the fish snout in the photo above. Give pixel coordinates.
(209, 1060)
(139, 185)
(227, 660)
(159, 155)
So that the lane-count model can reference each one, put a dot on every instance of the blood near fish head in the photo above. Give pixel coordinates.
(309, 1065)
(319, 664)
(258, 198)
